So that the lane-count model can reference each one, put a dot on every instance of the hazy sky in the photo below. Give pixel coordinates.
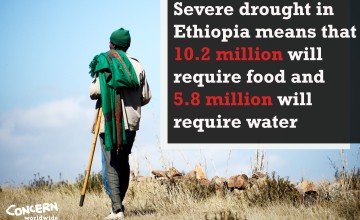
(46, 112)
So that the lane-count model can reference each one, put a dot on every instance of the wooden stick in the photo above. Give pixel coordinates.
(97, 128)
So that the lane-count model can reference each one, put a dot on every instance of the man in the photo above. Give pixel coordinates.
(123, 90)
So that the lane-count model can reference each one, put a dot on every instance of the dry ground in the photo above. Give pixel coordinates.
(149, 200)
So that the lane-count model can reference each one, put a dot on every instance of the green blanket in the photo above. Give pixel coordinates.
(115, 73)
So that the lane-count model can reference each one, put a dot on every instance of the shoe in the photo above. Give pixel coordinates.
(113, 216)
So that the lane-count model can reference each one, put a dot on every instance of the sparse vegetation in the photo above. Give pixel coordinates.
(262, 196)
(272, 198)
(40, 183)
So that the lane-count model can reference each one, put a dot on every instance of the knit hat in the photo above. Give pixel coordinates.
(121, 38)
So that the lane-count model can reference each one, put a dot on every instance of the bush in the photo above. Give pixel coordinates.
(349, 180)
(273, 189)
(198, 189)
(40, 183)
(95, 182)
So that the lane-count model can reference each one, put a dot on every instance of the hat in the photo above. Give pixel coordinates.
(121, 38)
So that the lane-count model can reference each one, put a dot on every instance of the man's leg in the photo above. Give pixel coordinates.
(112, 177)
(103, 173)
(118, 170)
(124, 166)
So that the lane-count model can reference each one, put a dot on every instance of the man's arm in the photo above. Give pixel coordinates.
(146, 92)
(95, 89)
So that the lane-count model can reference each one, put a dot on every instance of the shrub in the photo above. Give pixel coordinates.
(198, 189)
(349, 180)
(40, 183)
(272, 189)
(95, 182)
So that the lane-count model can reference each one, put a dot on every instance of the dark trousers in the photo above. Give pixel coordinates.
(118, 170)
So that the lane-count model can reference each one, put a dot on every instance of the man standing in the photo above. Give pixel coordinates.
(123, 90)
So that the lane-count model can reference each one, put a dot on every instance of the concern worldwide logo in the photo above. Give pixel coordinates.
(39, 209)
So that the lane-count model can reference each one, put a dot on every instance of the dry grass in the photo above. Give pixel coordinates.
(151, 200)
(272, 198)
